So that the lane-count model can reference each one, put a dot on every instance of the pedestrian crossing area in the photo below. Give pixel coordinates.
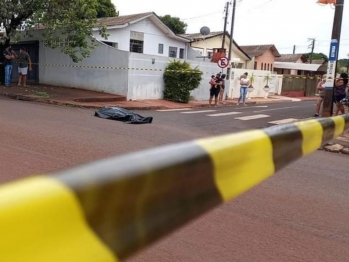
(239, 114)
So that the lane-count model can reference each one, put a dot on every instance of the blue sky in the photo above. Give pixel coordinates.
(281, 22)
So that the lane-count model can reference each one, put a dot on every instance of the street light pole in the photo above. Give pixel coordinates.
(327, 110)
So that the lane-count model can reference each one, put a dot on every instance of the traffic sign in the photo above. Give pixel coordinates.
(223, 62)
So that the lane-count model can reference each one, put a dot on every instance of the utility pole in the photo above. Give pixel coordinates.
(231, 38)
(312, 46)
(294, 49)
(348, 64)
(327, 110)
(225, 23)
(232, 31)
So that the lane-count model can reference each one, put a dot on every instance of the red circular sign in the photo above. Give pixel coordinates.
(223, 62)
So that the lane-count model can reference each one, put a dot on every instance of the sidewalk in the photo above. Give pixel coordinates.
(94, 100)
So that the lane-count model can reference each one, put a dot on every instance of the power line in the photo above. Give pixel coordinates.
(201, 16)
(259, 6)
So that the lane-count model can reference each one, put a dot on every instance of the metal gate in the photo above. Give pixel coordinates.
(299, 86)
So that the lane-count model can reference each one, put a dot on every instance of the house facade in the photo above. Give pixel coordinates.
(142, 33)
(290, 58)
(262, 56)
(204, 45)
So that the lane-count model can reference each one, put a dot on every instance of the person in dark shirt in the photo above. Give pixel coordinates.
(216, 83)
(23, 63)
(221, 93)
(9, 55)
(339, 92)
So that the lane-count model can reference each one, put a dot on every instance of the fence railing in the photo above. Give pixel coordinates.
(108, 210)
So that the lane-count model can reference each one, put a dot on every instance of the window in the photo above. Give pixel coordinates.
(161, 49)
(136, 46)
(172, 52)
(255, 65)
(240, 65)
(136, 42)
(209, 53)
(181, 53)
(268, 67)
(112, 44)
(262, 66)
(265, 66)
(271, 68)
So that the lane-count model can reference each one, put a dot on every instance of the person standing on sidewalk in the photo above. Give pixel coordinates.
(245, 83)
(221, 93)
(9, 55)
(339, 92)
(216, 83)
(321, 89)
(23, 62)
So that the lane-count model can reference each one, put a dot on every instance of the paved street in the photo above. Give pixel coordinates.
(301, 214)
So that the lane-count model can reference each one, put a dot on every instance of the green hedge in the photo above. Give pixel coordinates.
(180, 79)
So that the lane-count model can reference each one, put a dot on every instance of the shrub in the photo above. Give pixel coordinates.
(180, 79)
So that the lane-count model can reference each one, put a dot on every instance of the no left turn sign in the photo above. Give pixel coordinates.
(223, 62)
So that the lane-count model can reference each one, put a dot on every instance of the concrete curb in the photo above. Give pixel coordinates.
(146, 107)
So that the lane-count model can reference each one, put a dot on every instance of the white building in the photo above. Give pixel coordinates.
(142, 33)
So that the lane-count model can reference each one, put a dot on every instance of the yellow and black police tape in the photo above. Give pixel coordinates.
(157, 70)
(108, 210)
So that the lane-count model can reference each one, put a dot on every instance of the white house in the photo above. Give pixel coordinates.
(142, 33)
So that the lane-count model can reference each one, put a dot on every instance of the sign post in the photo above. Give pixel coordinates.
(223, 62)
(336, 35)
(330, 79)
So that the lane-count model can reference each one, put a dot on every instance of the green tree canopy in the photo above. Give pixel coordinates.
(67, 23)
(106, 8)
(317, 56)
(174, 23)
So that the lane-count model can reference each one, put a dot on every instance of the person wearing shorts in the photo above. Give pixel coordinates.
(24, 63)
(321, 89)
(339, 92)
(221, 93)
(215, 83)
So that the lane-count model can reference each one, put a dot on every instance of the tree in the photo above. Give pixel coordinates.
(174, 23)
(317, 56)
(343, 65)
(180, 79)
(67, 23)
(106, 8)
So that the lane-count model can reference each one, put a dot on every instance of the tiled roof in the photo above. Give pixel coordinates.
(319, 62)
(259, 50)
(121, 20)
(292, 58)
(200, 36)
(114, 21)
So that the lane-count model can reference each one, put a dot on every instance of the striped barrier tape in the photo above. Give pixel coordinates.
(107, 211)
(159, 70)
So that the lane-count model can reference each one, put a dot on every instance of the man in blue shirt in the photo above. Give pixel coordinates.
(9, 55)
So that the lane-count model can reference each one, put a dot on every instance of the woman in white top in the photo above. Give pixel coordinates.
(321, 89)
(245, 83)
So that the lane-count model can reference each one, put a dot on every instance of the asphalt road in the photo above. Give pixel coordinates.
(301, 214)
